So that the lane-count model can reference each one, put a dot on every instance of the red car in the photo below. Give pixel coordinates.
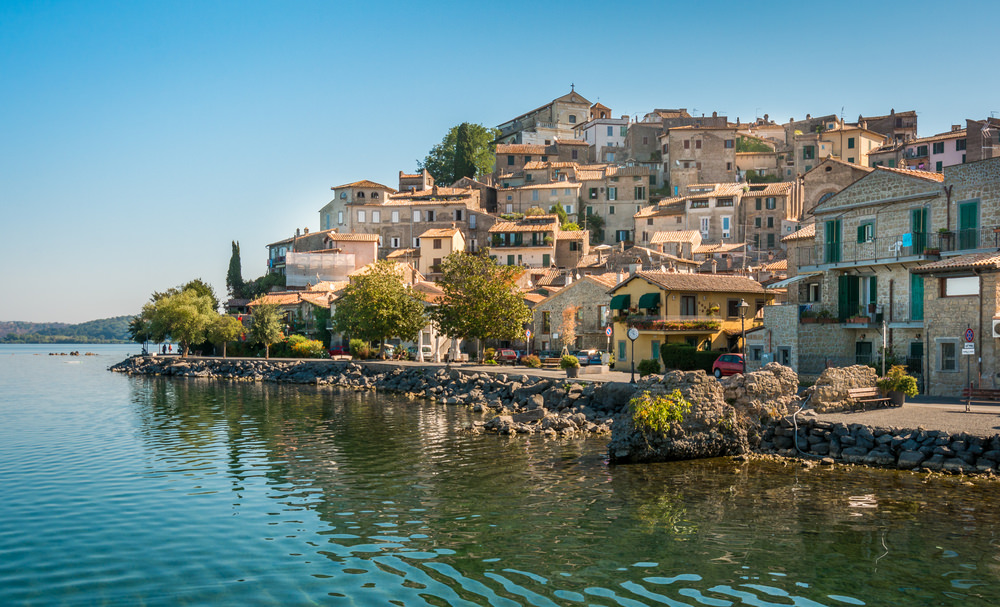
(506, 357)
(727, 364)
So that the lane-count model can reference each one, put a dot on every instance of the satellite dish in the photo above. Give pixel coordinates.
(677, 162)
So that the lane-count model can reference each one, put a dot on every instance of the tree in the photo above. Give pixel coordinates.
(465, 153)
(481, 300)
(440, 161)
(198, 285)
(567, 330)
(184, 317)
(558, 210)
(378, 305)
(234, 277)
(266, 326)
(223, 330)
(594, 223)
(262, 285)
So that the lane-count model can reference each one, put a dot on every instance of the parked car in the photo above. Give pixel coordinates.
(339, 351)
(727, 364)
(589, 357)
(506, 357)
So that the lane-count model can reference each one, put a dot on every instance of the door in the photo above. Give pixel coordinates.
(917, 298)
(849, 297)
(862, 352)
(918, 227)
(968, 225)
(832, 241)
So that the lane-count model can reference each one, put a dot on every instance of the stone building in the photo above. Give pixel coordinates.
(614, 193)
(667, 215)
(768, 213)
(545, 124)
(334, 214)
(434, 245)
(417, 182)
(896, 126)
(714, 210)
(537, 241)
(983, 139)
(698, 155)
(589, 299)
(827, 178)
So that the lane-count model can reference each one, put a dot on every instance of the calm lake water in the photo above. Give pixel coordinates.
(152, 491)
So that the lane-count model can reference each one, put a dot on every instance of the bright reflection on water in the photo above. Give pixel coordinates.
(149, 491)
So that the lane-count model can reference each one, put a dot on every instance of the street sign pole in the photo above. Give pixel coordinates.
(969, 336)
(633, 334)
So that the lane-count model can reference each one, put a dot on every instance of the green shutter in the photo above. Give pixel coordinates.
(832, 240)
(545, 260)
(861, 233)
(918, 226)
(872, 290)
(848, 296)
(916, 297)
(968, 225)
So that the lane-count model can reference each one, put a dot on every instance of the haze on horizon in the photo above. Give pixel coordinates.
(140, 139)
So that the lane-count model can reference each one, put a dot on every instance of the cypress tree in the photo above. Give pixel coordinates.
(465, 153)
(234, 277)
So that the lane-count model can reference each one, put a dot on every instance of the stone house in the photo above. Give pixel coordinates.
(982, 139)
(667, 215)
(769, 212)
(925, 153)
(417, 182)
(537, 241)
(603, 133)
(714, 210)
(541, 195)
(693, 155)
(681, 243)
(334, 214)
(589, 296)
(545, 124)
(614, 193)
(300, 307)
(897, 126)
(701, 310)
(434, 245)
(827, 178)
(848, 142)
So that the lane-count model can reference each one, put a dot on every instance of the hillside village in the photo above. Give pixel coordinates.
(809, 242)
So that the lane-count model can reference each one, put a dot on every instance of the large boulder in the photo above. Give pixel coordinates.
(829, 393)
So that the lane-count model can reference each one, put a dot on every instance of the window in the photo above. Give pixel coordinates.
(957, 286)
(574, 154)
(704, 225)
(472, 221)
(534, 195)
(593, 193)
(430, 215)
(623, 130)
(921, 150)
(938, 148)
(376, 216)
(611, 131)
(510, 208)
(770, 221)
(699, 204)
(416, 216)
(808, 152)
(528, 177)
(613, 193)
(416, 242)
(724, 202)
(510, 260)
(361, 194)
(697, 144)
(687, 144)
(850, 159)
(946, 355)
(510, 161)
(785, 356)
(640, 193)
(340, 217)
(622, 350)
(689, 305)
(730, 144)
(545, 158)
(757, 204)
(770, 240)
(458, 214)
(568, 208)
(938, 166)
(395, 217)
(394, 242)
(726, 219)
(609, 156)
(813, 292)
(437, 243)
(590, 210)
(611, 210)
(756, 222)
(729, 166)
(361, 216)
(771, 203)
(959, 145)
(850, 143)
(645, 140)
(732, 308)
(652, 179)
(572, 118)
(621, 236)
(527, 159)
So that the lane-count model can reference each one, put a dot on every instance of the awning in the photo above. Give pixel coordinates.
(649, 300)
(621, 302)
(781, 284)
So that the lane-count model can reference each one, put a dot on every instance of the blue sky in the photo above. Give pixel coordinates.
(138, 139)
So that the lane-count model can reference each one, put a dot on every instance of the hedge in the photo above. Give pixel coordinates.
(687, 358)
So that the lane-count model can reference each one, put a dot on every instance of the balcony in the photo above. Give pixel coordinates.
(892, 248)
(675, 324)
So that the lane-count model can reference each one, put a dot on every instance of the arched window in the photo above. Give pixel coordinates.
(361, 194)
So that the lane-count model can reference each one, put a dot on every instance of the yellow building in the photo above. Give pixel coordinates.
(670, 307)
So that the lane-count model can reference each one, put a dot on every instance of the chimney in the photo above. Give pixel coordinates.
(297, 232)
(715, 266)
(621, 277)
(305, 230)
(956, 127)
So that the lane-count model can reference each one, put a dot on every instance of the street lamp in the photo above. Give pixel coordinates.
(743, 330)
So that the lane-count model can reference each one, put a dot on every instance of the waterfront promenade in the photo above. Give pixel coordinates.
(929, 413)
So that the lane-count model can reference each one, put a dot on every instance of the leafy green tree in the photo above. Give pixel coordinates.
(321, 316)
(481, 300)
(378, 305)
(262, 285)
(558, 209)
(752, 144)
(234, 277)
(198, 285)
(594, 223)
(223, 330)
(266, 326)
(184, 317)
(440, 161)
(465, 153)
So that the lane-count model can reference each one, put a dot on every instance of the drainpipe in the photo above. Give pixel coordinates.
(982, 336)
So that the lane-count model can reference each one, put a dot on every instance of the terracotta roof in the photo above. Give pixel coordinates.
(590, 260)
(352, 237)
(571, 142)
(675, 236)
(939, 137)
(552, 185)
(928, 175)
(907, 113)
(717, 283)
(292, 298)
(608, 279)
(403, 253)
(720, 247)
(807, 232)
(525, 225)
(573, 234)
(781, 188)
(431, 292)
(842, 162)
(776, 266)
(536, 165)
(440, 233)
(533, 298)
(363, 184)
(328, 285)
(717, 189)
(987, 260)
(520, 148)
(626, 171)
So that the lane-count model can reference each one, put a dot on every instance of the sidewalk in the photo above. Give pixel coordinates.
(929, 413)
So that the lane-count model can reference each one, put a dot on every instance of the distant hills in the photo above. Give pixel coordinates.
(103, 331)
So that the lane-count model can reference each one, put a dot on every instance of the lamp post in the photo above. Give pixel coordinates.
(743, 331)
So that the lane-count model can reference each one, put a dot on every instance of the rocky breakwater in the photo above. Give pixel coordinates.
(512, 403)
(727, 417)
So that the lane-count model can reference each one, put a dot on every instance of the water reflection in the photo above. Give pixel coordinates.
(402, 509)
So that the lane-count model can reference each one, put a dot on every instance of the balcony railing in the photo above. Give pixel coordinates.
(894, 247)
(649, 322)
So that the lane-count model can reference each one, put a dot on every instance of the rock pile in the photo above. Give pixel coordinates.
(905, 449)
(726, 418)
(829, 393)
(514, 404)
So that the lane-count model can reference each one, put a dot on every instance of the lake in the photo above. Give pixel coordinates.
(122, 490)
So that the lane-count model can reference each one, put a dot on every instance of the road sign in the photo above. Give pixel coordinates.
(968, 349)
(527, 333)
(970, 335)
(608, 331)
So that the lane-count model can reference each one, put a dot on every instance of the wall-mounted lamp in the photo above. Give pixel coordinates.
(862, 337)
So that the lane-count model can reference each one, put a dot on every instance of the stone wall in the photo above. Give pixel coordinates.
(945, 321)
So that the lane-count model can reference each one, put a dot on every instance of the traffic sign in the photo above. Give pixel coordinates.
(527, 333)
(968, 349)
(970, 335)
(608, 331)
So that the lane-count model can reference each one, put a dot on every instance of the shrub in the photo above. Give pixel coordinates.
(359, 349)
(655, 414)
(687, 358)
(307, 348)
(531, 361)
(648, 367)
(490, 355)
(568, 361)
(898, 380)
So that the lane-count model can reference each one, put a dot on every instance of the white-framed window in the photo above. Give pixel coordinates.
(947, 354)
(394, 242)
(472, 221)
(430, 215)
(726, 219)
(416, 216)
(613, 193)
(568, 208)
(510, 208)
(416, 242)
(534, 195)
(704, 225)
(361, 216)
(395, 217)
(376, 216)
(340, 218)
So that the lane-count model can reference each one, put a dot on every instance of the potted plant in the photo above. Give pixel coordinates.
(825, 316)
(571, 364)
(898, 384)
(808, 317)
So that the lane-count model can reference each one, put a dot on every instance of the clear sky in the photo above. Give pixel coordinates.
(138, 139)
